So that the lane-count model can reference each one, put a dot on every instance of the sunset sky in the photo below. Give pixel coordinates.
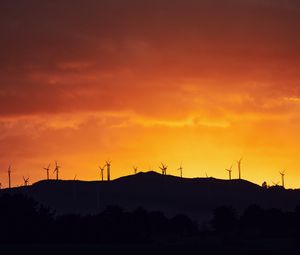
(141, 82)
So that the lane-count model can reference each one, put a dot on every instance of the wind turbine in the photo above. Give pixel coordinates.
(229, 172)
(56, 170)
(102, 168)
(163, 169)
(282, 177)
(135, 169)
(9, 176)
(47, 170)
(275, 183)
(108, 164)
(239, 167)
(25, 181)
(180, 170)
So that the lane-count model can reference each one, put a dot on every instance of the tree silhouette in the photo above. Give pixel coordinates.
(224, 219)
(252, 221)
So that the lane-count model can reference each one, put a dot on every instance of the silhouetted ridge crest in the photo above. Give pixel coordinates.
(195, 197)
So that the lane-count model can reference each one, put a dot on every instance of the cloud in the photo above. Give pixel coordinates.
(58, 56)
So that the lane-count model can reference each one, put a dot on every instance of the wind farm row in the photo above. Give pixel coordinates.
(107, 166)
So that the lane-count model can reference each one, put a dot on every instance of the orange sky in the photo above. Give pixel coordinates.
(140, 82)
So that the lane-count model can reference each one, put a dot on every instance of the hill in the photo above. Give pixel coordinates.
(195, 197)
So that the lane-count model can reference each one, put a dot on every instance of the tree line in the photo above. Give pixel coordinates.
(23, 220)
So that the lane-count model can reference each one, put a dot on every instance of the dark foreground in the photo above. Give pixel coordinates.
(27, 227)
(257, 247)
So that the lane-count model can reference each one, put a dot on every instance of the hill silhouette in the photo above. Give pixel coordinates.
(195, 197)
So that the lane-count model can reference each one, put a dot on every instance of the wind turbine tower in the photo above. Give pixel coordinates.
(239, 167)
(26, 180)
(47, 170)
(282, 177)
(56, 170)
(9, 177)
(180, 170)
(108, 164)
(135, 169)
(102, 168)
(163, 169)
(229, 172)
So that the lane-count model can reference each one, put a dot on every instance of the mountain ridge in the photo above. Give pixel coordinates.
(195, 197)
